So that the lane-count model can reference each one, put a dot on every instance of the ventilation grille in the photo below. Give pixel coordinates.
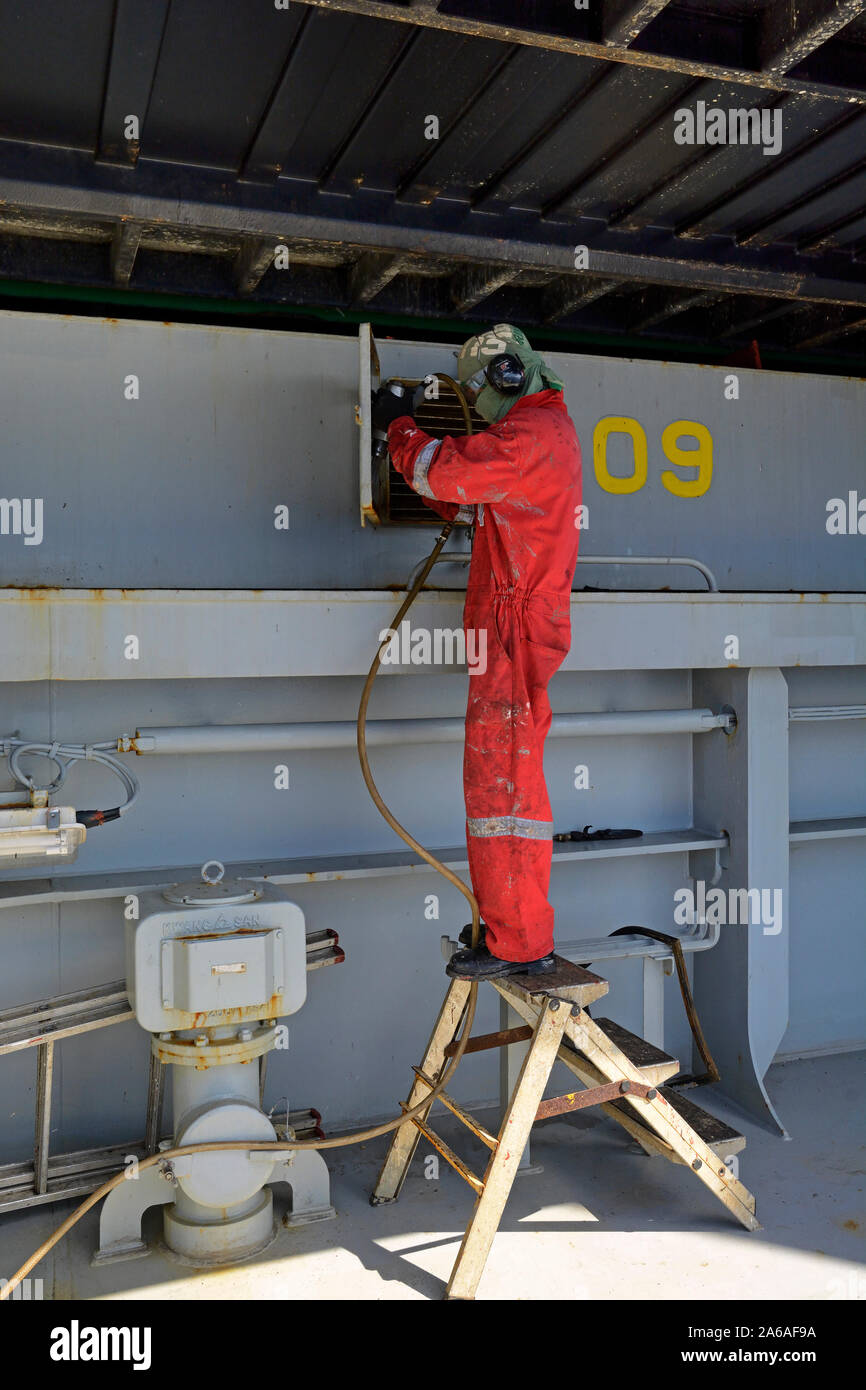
(395, 502)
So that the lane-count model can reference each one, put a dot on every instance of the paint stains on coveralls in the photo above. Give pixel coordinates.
(522, 481)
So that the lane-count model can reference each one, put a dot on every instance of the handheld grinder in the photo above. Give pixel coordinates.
(380, 437)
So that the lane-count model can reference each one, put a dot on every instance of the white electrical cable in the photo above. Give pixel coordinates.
(63, 755)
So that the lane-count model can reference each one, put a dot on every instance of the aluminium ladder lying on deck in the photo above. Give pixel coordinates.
(621, 1073)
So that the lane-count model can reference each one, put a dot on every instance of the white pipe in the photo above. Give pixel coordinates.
(287, 738)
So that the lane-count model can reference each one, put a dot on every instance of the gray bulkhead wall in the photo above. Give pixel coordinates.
(178, 489)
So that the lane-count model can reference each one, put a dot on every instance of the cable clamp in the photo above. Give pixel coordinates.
(167, 1172)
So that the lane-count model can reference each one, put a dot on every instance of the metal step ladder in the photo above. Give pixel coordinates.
(619, 1071)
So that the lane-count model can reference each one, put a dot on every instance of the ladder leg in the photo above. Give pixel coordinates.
(670, 1127)
(44, 1078)
(510, 1061)
(513, 1135)
(405, 1139)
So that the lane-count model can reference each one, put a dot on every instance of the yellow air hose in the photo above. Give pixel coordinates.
(359, 1136)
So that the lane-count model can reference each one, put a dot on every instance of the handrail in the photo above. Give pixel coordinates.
(808, 712)
(667, 560)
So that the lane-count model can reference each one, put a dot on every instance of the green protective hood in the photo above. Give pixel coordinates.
(478, 351)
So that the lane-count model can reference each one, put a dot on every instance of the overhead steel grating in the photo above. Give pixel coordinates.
(443, 161)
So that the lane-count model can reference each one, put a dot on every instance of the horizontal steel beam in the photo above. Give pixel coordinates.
(76, 634)
(89, 887)
(843, 828)
(332, 868)
(615, 51)
(66, 183)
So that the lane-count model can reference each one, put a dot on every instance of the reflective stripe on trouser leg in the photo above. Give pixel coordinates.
(490, 827)
(509, 822)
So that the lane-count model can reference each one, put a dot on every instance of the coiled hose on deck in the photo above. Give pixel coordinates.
(358, 1136)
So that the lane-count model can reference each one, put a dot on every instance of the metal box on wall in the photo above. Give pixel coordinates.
(210, 954)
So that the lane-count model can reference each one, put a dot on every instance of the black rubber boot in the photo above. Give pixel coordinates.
(465, 937)
(479, 964)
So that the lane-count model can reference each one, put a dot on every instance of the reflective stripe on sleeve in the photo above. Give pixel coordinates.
(486, 827)
(422, 468)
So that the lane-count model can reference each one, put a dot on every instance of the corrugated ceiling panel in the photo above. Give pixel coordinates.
(781, 184)
(436, 75)
(216, 72)
(715, 171)
(337, 66)
(621, 99)
(52, 70)
(528, 95)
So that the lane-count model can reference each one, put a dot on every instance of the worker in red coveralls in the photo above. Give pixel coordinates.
(520, 483)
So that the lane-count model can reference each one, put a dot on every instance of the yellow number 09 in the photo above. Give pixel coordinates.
(700, 458)
(619, 424)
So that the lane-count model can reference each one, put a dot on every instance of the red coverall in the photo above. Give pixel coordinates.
(523, 475)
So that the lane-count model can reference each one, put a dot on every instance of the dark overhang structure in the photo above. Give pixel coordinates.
(447, 161)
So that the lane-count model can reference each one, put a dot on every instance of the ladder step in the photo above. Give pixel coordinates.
(718, 1136)
(653, 1064)
(448, 1154)
(463, 1115)
(565, 981)
(721, 1138)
